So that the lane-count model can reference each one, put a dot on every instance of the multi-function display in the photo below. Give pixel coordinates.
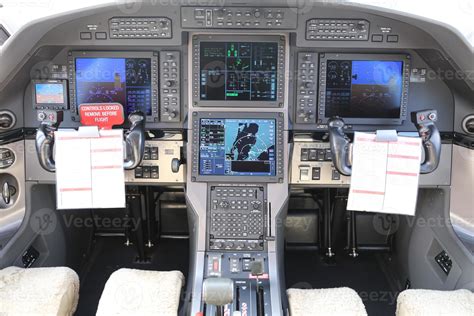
(127, 81)
(238, 71)
(364, 88)
(237, 147)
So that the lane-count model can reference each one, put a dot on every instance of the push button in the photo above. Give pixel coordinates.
(377, 38)
(392, 38)
(316, 173)
(86, 35)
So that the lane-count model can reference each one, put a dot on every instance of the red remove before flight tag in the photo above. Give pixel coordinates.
(103, 115)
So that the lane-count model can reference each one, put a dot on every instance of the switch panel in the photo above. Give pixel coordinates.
(140, 27)
(312, 164)
(337, 30)
(170, 92)
(238, 18)
(306, 88)
(444, 261)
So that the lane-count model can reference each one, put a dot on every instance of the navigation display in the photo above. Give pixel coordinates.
(237, 147)
(364, 88)
(123, 80)
(239, 71)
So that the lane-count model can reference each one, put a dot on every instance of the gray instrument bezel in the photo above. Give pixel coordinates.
(49, 106)
(405, 58)
(155, 73)
(196, 69)
(279, 147)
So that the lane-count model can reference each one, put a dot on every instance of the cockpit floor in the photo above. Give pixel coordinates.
(306, 269)
(110, 254)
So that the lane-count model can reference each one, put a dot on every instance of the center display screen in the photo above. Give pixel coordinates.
(364, 88)
(237, 147)
(238, 71)
(123, 80)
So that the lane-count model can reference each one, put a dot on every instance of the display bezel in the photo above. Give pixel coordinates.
(153, 56)
(196, 69)
(365, 57)
(279, 127)
(49, 106)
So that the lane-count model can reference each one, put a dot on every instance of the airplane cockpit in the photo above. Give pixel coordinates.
(203, 158)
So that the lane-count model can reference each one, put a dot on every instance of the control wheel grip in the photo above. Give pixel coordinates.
(430, 137)
(340, 146)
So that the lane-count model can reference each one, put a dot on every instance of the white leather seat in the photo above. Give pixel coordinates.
(432, 303)
(341, 301)
(38, 291)
(141, 292)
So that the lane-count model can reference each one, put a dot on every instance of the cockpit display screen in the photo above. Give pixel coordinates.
(364, 88)
(237, 147)
(238, 71)
(123, 80)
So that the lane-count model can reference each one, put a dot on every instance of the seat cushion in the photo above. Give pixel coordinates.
(341, 301)
(38, 291)
(141, 292)
(431, 302)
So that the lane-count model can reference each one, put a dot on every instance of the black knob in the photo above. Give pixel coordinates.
(169, 83)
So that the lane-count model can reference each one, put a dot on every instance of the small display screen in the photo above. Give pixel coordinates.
(364, 88)
(240, 71)
(237, 147)
(49, 93)
(123, 80)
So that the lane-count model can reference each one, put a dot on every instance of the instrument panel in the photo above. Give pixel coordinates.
(204, 71)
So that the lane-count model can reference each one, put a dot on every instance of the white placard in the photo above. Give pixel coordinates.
(384, 175)
(89, 169)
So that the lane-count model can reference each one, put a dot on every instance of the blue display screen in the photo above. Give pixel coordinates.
(364, 88)
(49, 93)
(123, 80)
(237, 147)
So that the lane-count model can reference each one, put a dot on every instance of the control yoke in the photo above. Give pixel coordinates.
(424, 122)
(134, 142)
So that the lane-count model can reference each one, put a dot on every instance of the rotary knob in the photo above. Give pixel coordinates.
(169, 83)
(41, 116)
(230, 244)
(218, 245)
(255, 205)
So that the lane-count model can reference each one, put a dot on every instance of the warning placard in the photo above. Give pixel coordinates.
(103, 115)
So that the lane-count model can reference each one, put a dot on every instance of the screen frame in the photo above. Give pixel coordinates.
(152, 55)
(404, 58)
(279, 147)
(281, 40)
(49, 106)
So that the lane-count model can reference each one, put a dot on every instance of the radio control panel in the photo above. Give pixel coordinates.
(140, 27)
(337, 30)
